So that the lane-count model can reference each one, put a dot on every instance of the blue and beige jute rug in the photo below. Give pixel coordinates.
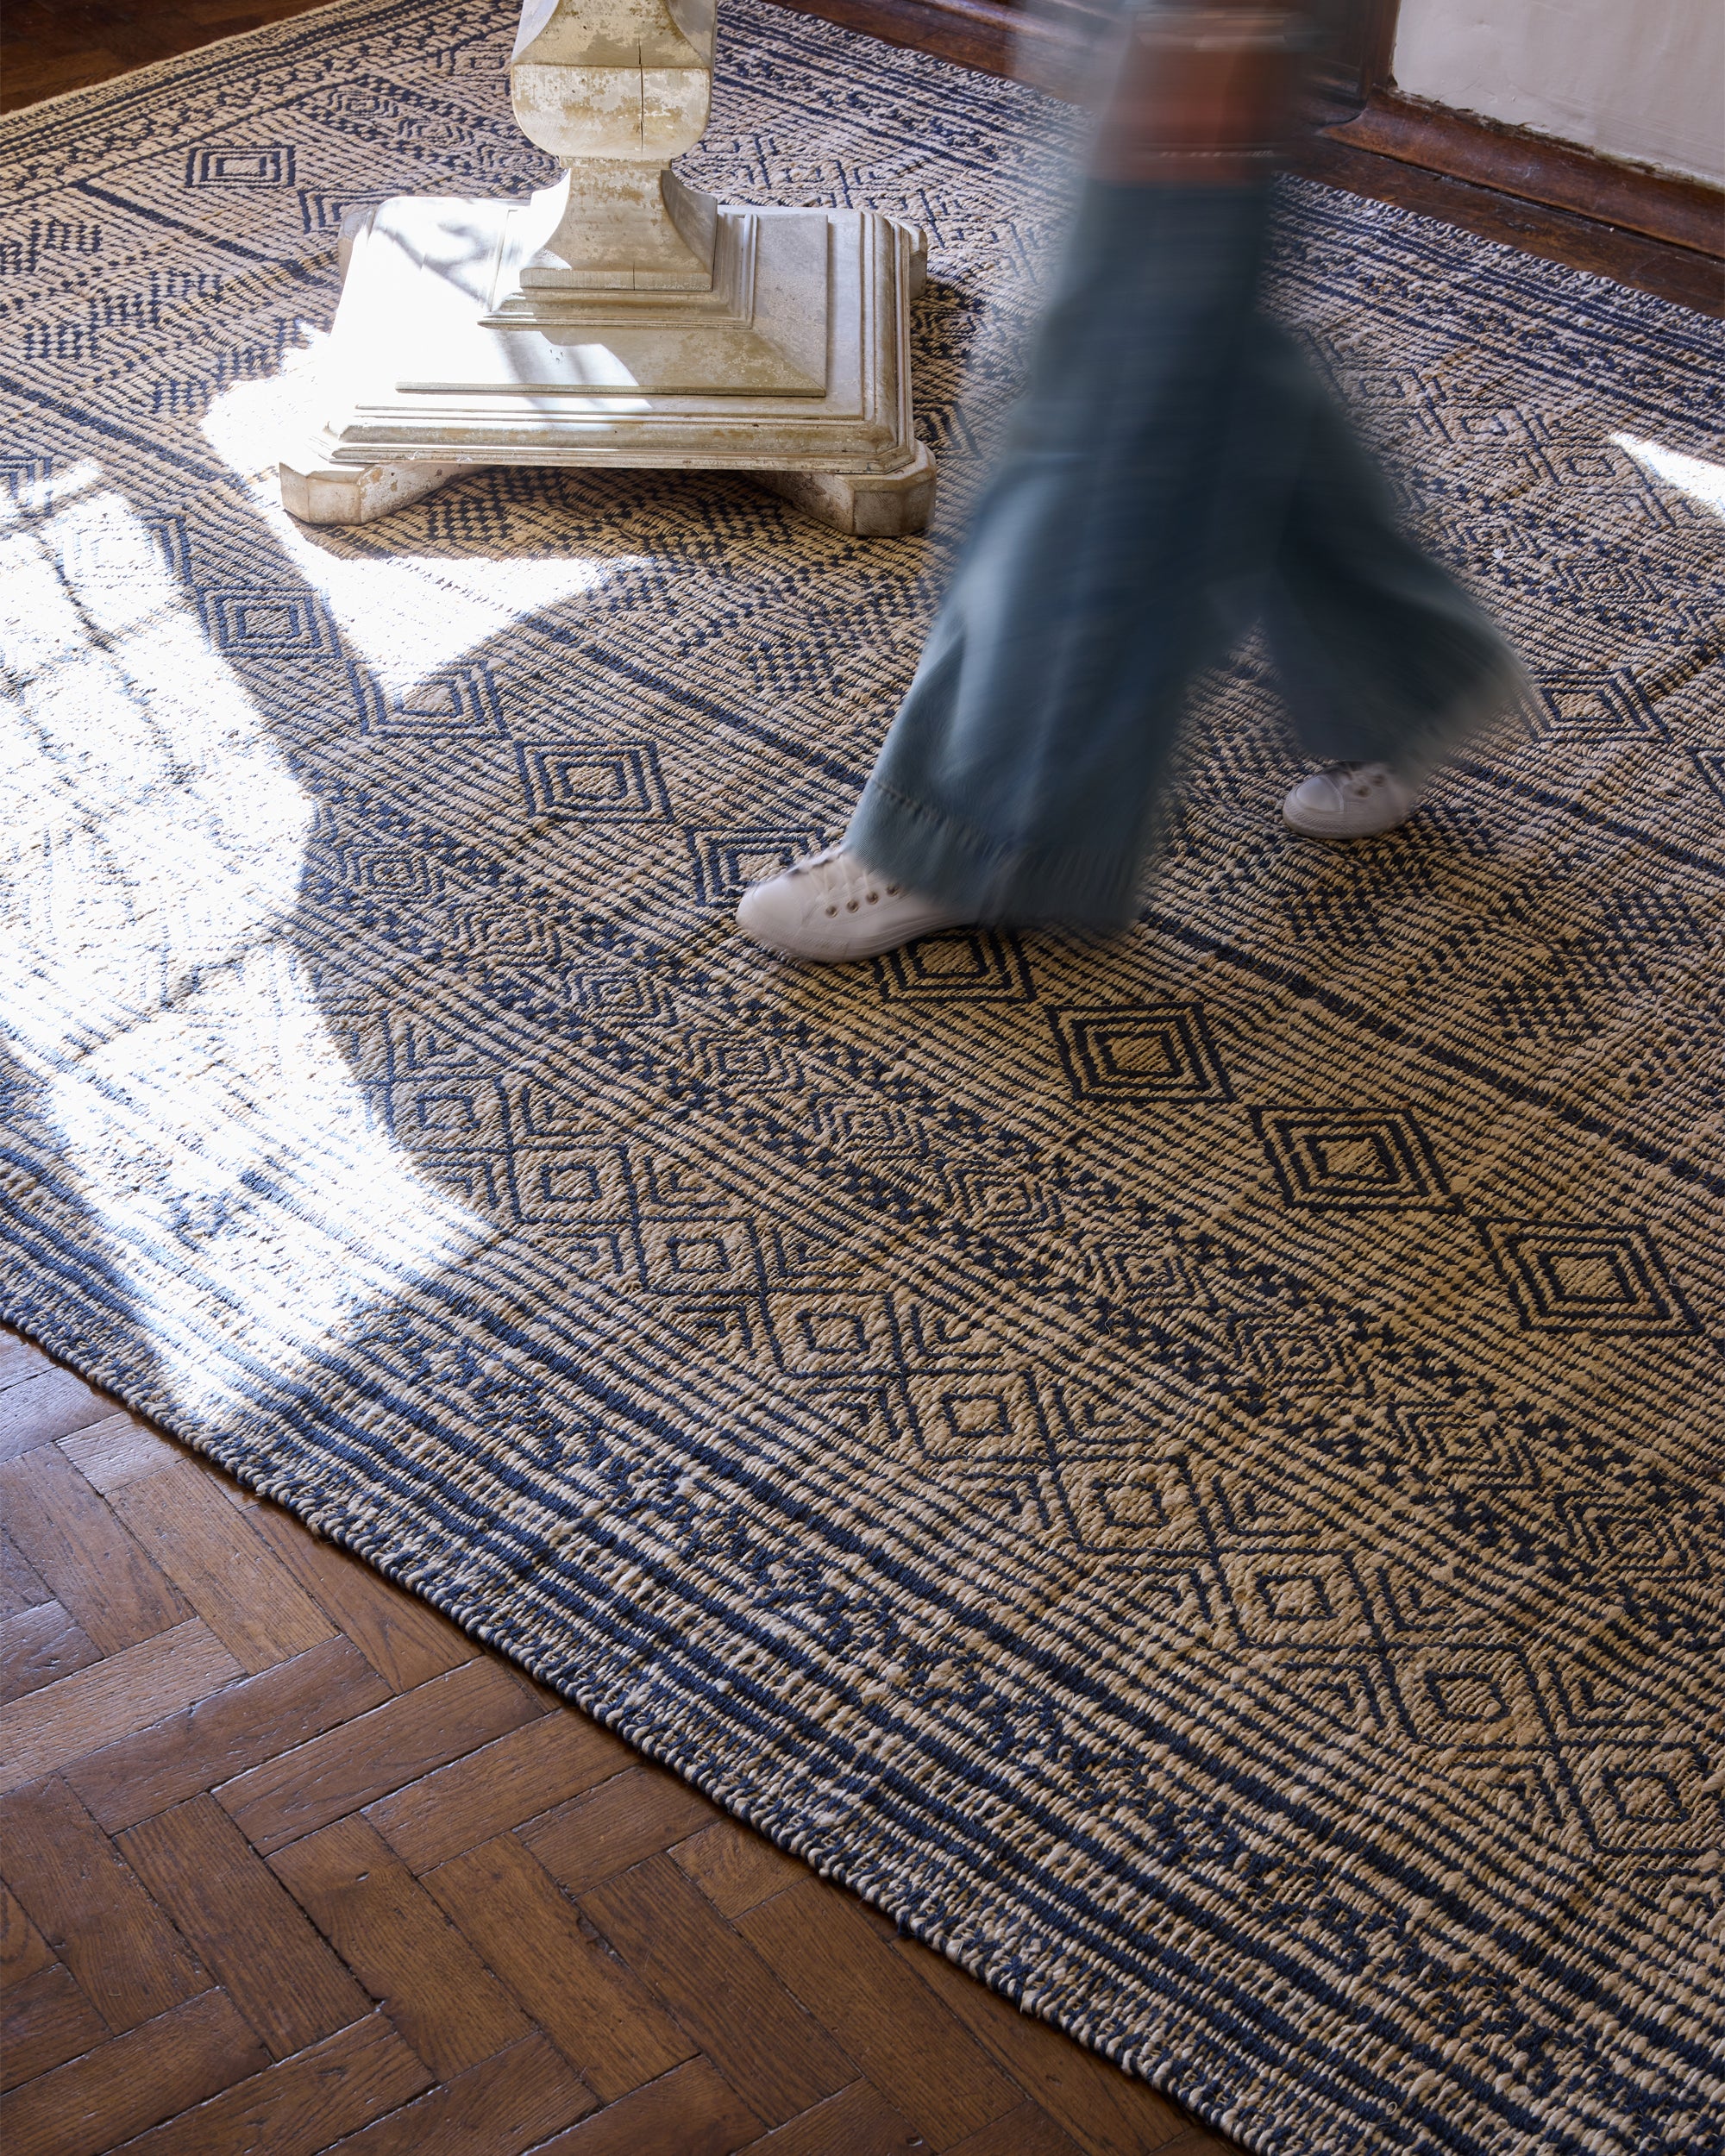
(1189, 1468)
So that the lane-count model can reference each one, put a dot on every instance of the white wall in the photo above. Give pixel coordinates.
(1642, 79)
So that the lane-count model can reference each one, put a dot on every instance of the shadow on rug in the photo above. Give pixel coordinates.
(1187, 1469)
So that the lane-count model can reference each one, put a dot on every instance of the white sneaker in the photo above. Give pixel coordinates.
(1350, 801)
(831, 908)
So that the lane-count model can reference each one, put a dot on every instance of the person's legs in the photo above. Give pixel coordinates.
(1381, 657)
(1019, 776)
(1174, 470)
(1177, 470)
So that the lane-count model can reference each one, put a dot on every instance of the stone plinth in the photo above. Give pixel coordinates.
(619, 317)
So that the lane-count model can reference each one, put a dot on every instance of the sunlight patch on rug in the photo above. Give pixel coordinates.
(407, 615)
(1702, 479)
(196, 1090)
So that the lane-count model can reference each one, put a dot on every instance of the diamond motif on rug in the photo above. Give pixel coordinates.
(1587, 1280)
(1160, 1053)
(1355, 1162)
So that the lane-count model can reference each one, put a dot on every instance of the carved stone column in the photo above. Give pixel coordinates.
(620, 317)
(615, 93)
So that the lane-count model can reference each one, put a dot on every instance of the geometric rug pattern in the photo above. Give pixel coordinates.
(1186, 1468)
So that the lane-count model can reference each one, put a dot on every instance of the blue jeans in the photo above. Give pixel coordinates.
(1174, 473)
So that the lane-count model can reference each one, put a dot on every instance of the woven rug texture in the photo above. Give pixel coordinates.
(1185, 1468)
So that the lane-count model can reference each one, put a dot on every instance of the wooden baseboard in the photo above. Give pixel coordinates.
(1683, 213)
(1676, 273)
(1645, 230)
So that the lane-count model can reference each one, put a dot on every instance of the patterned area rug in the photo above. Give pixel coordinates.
(1187, 1468)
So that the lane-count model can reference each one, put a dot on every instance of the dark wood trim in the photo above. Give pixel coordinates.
(1676, 273)
(1354, 60)
(1647, 229)
(1685, 213)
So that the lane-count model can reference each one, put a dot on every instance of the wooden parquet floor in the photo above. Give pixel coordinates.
(291, 1865)
(51, 45)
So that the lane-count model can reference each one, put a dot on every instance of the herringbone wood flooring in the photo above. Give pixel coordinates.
(290, 1864)
(51, 46)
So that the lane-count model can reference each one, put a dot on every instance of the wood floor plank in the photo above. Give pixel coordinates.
(1106, 2112)
(906, 2042)
(772, 2052)
(597, 2013)
(303, 2103)
(57, 44)
(96, 2101)
(238, 1916)
(735, 1869)
(397, 1940)
(24, 1949)
(404, 1640)
(1028, 2131)
(109, 1700)
(122, 1449)
(218, 1738)
(857, 2122)
(38, 1648)
(366, 1758)
(518, 1778)
(497, 2108)
(46, 1406)
(89, 1562)
(92, 1909)
(20, 1358)
(241, 1591)
(688, 2112)
(44, 2022)
(632, 1815)
(22, 1587)
(51, 74)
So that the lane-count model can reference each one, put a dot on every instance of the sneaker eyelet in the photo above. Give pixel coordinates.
(892, 890)
(874, 897)
(850, 905)
(831, 910)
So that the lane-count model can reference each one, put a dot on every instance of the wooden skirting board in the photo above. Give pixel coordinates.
(1681, 212)
(1652, 230)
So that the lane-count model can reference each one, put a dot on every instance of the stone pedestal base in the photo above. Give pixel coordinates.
(317, 492)
(792, 368)
(882, 505)
(873, 506)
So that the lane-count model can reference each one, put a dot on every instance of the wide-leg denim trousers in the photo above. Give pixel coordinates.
(1174, 472)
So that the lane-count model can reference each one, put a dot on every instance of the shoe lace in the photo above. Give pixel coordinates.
(842, 884)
